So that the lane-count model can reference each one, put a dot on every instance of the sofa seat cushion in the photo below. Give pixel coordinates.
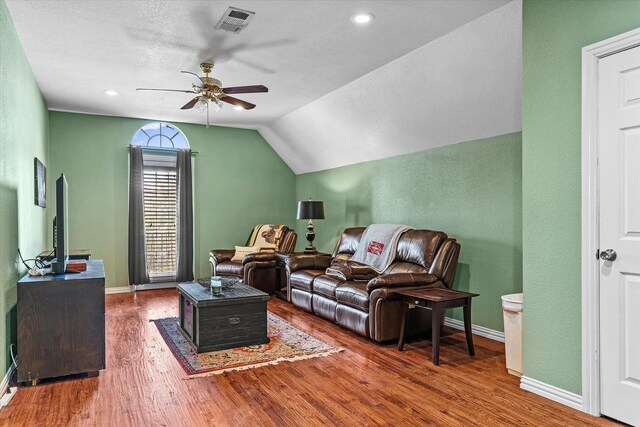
(405, 267)
(303, 279)
(353, 319)
(326, 286)
(354, 294)
(229, 268)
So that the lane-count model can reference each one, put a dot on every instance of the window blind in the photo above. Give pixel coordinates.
(160, 216)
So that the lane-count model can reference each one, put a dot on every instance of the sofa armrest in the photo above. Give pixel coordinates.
(390, 292)
(401, 280)
(221, 255)
(307, 262)
(259, 257)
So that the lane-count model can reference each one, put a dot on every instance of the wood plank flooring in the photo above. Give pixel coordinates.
(367, 384)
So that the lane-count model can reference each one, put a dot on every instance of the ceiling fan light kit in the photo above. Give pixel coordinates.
(209, 91)
(216, 105)
(201, 104)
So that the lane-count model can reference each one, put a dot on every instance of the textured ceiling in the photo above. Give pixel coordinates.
(301, 50)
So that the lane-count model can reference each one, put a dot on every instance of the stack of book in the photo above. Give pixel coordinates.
(77, 265)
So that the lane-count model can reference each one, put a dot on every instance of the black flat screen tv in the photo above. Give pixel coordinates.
(61, 228)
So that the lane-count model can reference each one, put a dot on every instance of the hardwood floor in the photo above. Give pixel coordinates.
(367, 384)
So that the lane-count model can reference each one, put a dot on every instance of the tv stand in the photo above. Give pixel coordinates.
(61, 326)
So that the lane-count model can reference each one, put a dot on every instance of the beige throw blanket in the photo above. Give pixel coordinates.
(378, 245)
(267, 236)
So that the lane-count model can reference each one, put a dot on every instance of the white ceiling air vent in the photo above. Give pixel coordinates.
(234, 20)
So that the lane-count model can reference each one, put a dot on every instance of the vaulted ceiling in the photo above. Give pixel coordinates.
(422, 74)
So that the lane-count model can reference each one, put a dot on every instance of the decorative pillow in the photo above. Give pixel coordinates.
(242, 251)
(268, 248)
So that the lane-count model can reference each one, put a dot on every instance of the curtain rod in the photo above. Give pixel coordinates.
(168, 150)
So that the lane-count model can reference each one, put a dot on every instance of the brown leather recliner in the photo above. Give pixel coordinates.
(424, 259)
(257, 269)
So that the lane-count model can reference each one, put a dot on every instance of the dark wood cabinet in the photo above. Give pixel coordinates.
(61, 324)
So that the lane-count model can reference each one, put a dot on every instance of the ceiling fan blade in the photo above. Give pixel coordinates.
(239, 102)
(167, 90)
(190, 104)
(196, 79)
(245, 89)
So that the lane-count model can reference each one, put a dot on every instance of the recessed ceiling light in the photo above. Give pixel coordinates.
(110, 92)
(238, 108)
(362, 18)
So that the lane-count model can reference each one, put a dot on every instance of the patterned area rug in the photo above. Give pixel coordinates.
(288, 343)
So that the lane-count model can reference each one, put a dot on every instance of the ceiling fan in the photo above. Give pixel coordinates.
(210, 91)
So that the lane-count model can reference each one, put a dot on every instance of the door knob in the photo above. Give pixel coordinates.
(608, 255)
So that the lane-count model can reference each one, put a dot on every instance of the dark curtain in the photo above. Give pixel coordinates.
(184, 271)
(137, 253)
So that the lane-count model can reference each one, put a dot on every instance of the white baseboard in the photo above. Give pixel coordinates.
(133, 288)
(118, 290)
(4, 385)
(552, 392)
(150, 286)
(481, 331)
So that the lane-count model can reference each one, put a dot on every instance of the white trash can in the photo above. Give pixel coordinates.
(512, 313)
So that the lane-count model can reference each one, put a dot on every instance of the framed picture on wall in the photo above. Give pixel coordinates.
(40, 172)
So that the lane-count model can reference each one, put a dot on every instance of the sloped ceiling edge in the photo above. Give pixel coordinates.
(463, 86)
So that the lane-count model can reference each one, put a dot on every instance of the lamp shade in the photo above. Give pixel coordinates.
(310, 209)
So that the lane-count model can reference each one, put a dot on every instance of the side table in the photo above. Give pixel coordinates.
(282, 288)
(437, 300)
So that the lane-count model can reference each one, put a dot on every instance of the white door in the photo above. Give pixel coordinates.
(619, 192)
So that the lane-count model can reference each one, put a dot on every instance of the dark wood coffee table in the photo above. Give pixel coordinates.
(236, 318)
(437, 300)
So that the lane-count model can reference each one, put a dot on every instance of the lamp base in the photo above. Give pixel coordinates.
(310, 235)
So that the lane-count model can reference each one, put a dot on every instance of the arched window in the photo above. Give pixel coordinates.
(160, 195)
(160, 135)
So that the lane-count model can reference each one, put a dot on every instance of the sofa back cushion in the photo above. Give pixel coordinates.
(288, 241)
(416, 251)
(446, 261)
(415, 254)
(348, 242)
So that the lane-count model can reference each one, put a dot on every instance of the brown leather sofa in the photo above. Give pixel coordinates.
(424, 259)
(257, 269)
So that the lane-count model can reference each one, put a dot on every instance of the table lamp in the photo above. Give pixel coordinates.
(310, 209)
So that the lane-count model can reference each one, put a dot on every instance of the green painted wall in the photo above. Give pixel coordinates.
(554, 33)
(470, 190)
(23, 136)
(239, 181)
